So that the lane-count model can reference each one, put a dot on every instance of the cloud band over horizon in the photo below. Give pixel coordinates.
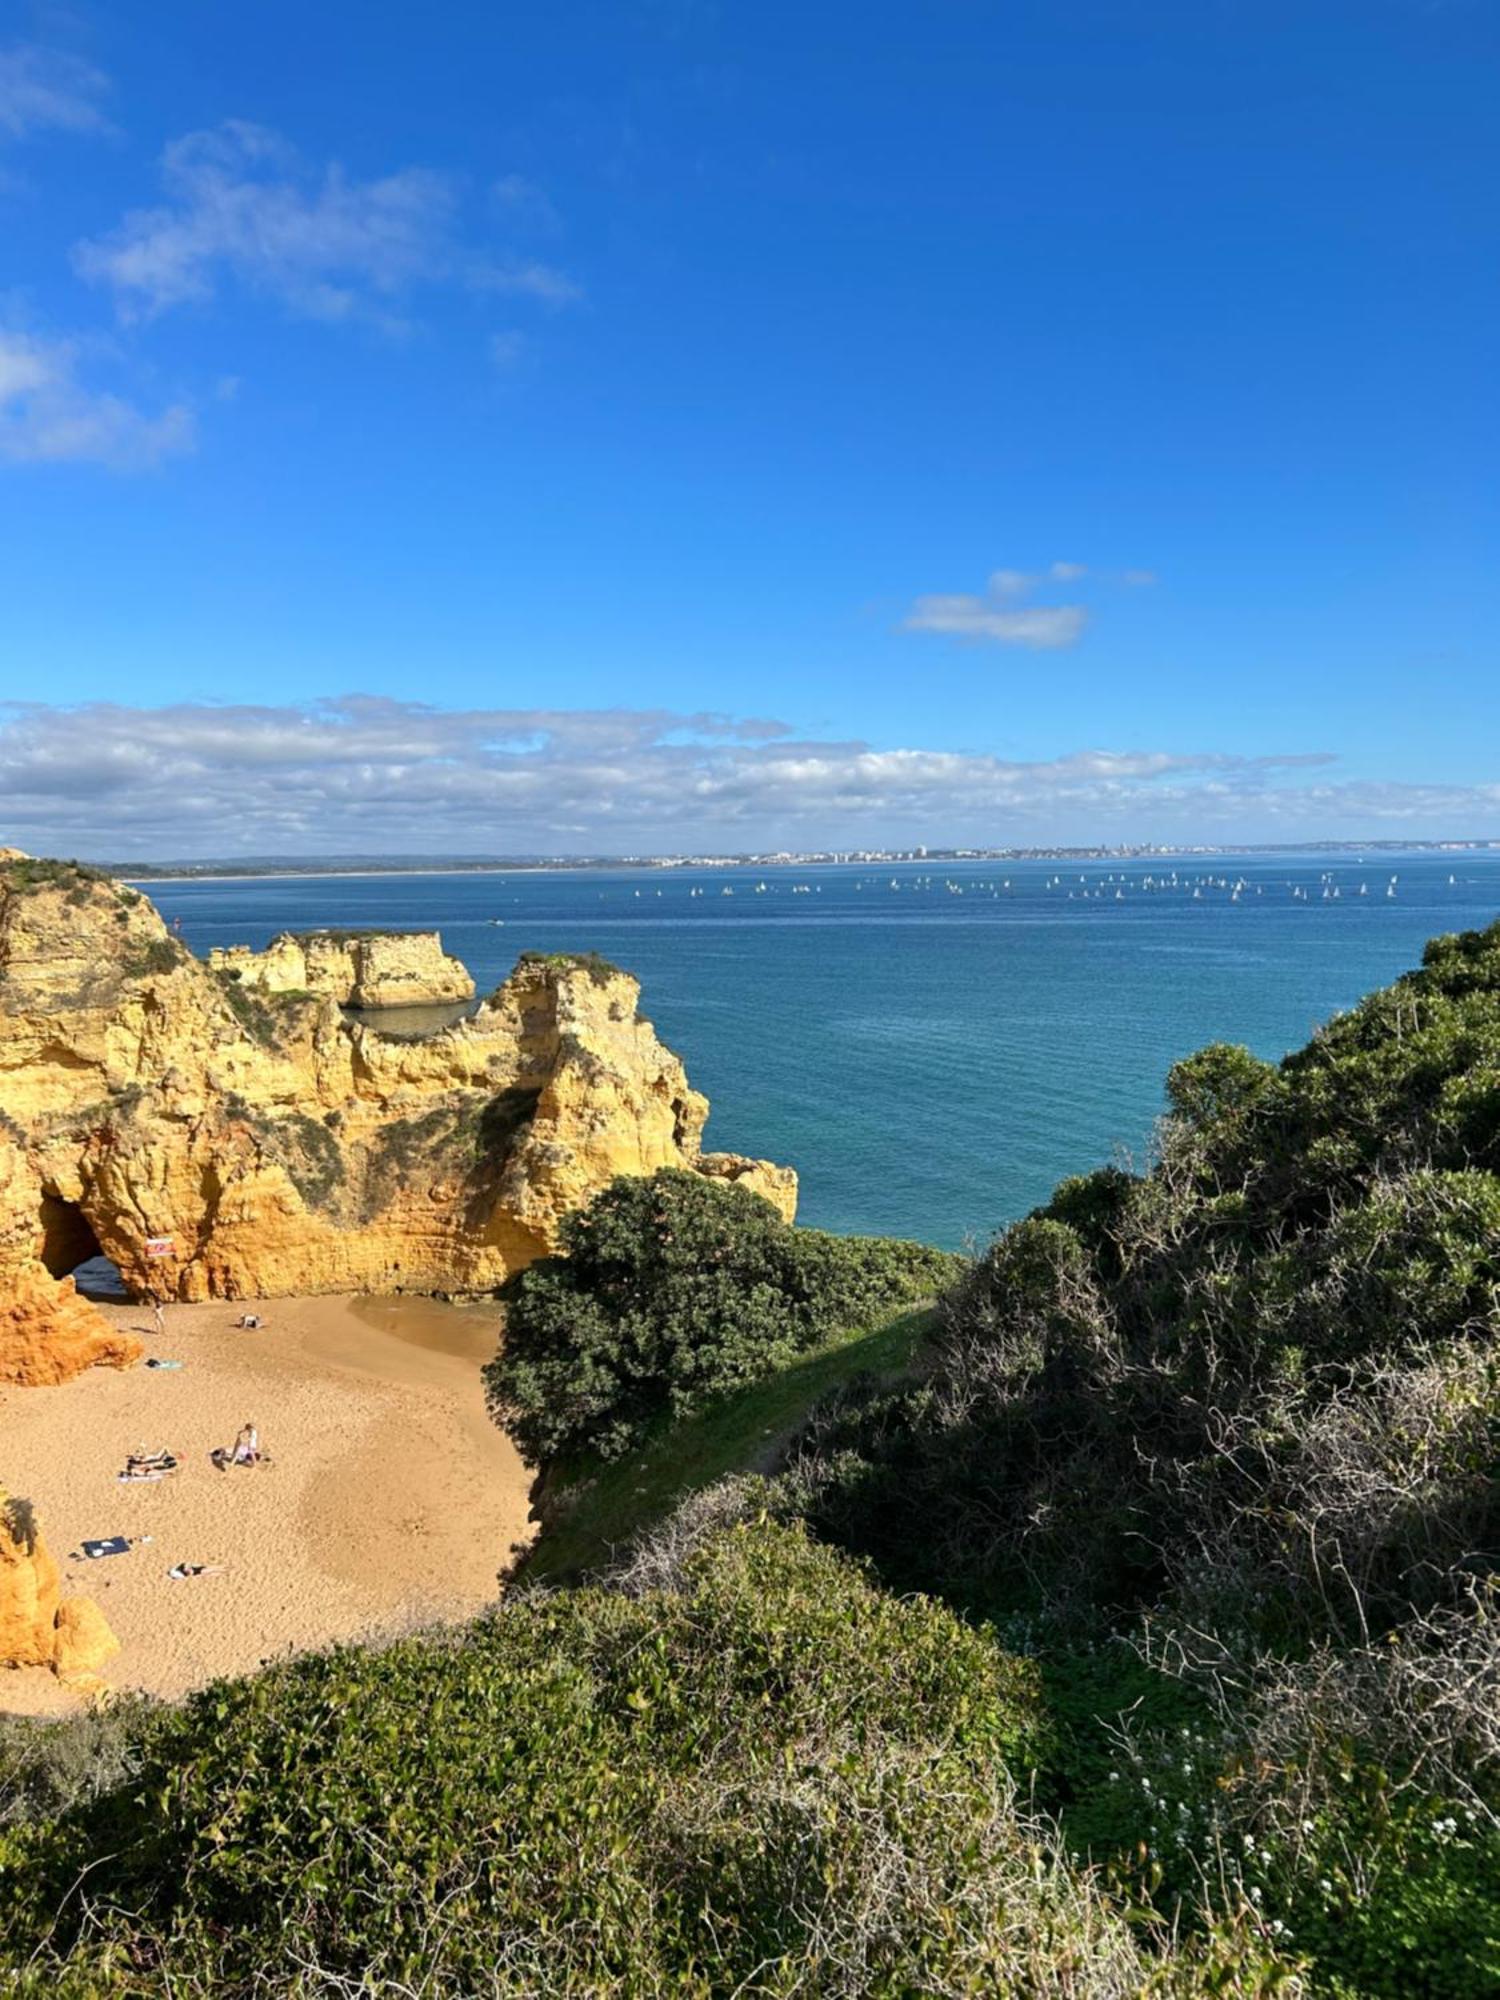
(363, 774)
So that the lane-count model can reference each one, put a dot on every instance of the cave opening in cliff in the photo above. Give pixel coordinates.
(70, 1249)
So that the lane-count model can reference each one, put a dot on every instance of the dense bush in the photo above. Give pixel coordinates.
(1245, 1375)
(671, 1291)
(1242, 1414)
(771, 1778)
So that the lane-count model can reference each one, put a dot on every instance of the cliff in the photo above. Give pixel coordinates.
(38, 1626)
(355, 968)
(280, 1147)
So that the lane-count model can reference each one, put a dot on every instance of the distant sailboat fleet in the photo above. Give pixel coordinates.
(1109, 886)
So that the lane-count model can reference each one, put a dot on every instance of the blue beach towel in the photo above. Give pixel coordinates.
(152, 1362)
(110, 1545)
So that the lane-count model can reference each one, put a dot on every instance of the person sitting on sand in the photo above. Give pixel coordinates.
(248, 1319)
(246, 1446)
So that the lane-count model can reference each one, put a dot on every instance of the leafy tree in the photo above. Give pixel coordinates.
(673, 1290)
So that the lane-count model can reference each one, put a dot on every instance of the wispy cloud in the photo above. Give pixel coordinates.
(44, 90)
(1036, 625)
(48, 413)
(523, 277)
(1000, 616)
(242, 206)
(1003, 615)
(366, 775)
(524, 204)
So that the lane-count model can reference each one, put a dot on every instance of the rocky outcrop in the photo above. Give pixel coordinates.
(355, 968)
(82, 1642)
(48, 1334)
(38, 1626)
(218, 1140)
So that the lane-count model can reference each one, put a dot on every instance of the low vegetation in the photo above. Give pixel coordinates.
(599, 969)
(25, 876)
(160, 956)
(593, 1508)
(672, 1291)
(756, 1773)
(1124, 1625)
(265, 1015)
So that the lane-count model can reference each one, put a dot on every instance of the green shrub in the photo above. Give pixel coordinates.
(25, 877)
(772, 1778)
(671, 1291)
(599, 969)
(162, 955)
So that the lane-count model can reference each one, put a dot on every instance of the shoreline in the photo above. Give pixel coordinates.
(713, 864)
(391, 1500)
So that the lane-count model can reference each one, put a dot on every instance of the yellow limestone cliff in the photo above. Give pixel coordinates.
(223, 1141)
(356, 968)
(39, 1627)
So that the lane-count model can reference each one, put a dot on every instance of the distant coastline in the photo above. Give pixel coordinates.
(332, 867)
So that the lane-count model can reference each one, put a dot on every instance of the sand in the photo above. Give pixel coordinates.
(392, 1499)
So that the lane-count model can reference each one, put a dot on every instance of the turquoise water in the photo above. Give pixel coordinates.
(931, 1049)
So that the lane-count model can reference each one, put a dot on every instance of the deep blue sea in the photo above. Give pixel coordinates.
(932, 1047)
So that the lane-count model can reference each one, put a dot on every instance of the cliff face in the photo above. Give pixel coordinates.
(357, 969)
(38, 1626)
(282, 1148)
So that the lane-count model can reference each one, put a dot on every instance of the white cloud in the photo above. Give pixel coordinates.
(367, 775)
(45, 90)
(47, 413)
(1002, 616)
(963, 617)
(243, 205)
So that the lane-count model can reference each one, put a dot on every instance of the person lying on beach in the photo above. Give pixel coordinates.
(149, 1465)
(180, 1570)
(151, 1461)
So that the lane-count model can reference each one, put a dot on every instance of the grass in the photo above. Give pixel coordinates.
(594, 1507)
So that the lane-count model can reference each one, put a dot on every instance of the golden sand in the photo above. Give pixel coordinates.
(391, 1500)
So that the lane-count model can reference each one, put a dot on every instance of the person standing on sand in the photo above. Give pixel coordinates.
(246, 1446)
(158, 1318)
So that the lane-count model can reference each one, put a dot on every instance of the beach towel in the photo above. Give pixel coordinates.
(108, 1545)
(147, 1472)
(152, 1362)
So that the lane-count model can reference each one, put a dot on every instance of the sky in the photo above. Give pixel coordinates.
(692, 426)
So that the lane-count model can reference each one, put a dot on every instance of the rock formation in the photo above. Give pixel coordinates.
(356, 968)
(49, 1334)
(38, 1626)
(219, 1140)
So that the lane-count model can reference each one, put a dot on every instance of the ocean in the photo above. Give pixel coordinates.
(932, 1046)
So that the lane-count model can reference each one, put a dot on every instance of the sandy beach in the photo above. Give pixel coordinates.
(391, 1499)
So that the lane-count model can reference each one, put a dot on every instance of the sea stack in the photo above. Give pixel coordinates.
(365, 969)
(219, 1138)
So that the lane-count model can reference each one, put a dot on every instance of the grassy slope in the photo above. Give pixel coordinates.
(595, 1508)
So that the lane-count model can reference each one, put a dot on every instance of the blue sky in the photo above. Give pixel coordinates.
(663, 425)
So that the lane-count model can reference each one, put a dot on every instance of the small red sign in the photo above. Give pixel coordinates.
(160, 1246)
